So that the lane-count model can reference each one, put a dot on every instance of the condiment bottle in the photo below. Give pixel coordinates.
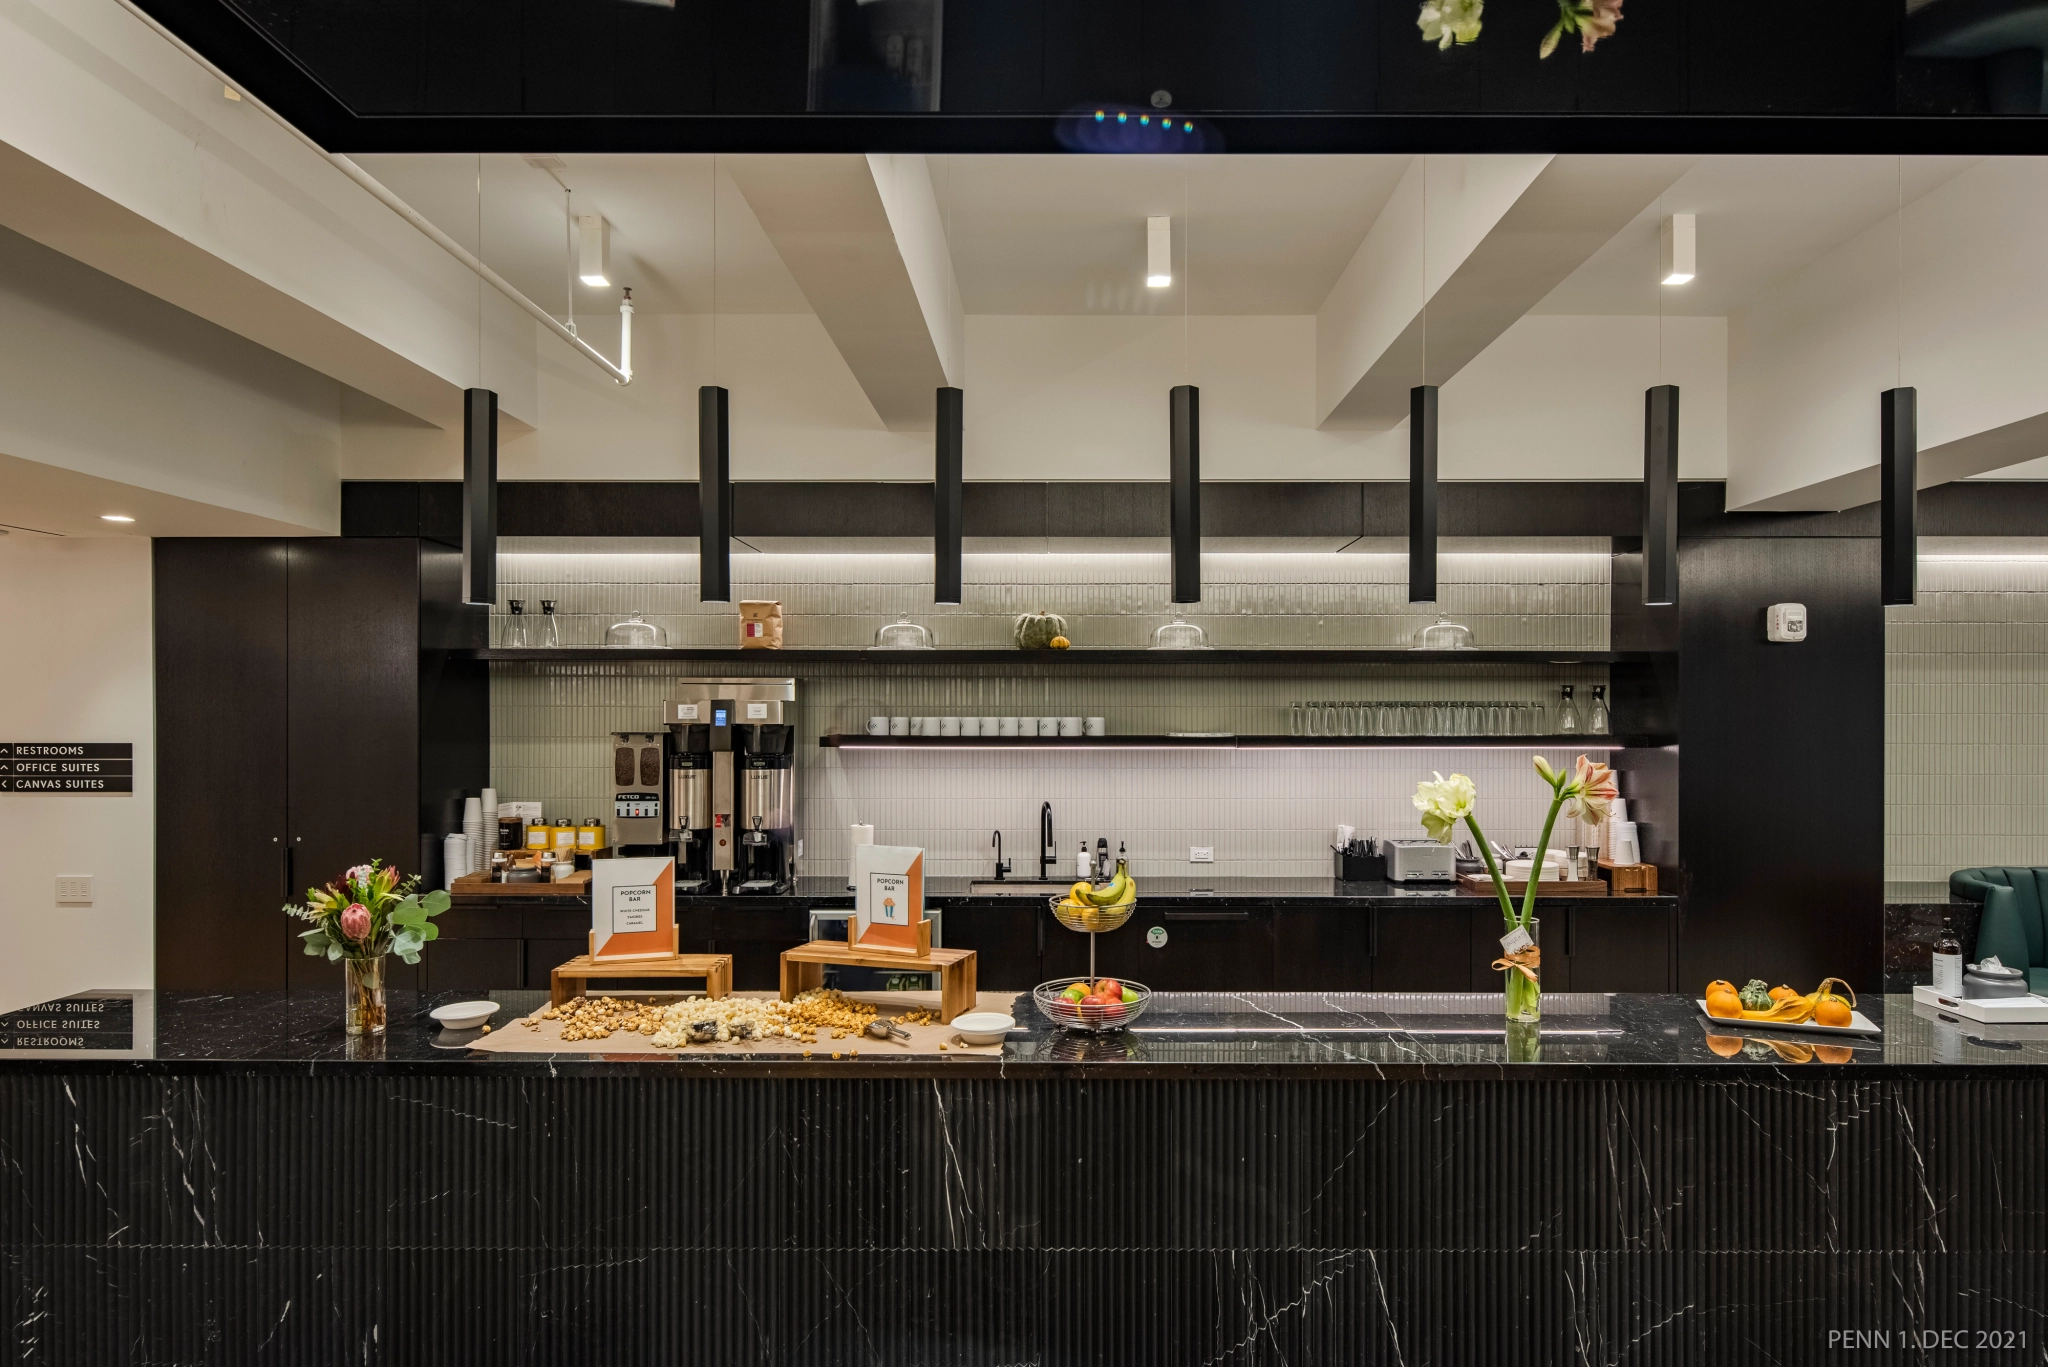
(590, 836)
(540, 836)
(565, 840)
(1948, 961)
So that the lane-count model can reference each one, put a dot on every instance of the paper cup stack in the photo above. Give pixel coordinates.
(473, 829)
(454, 858)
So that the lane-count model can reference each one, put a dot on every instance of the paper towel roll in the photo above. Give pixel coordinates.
(863, 834)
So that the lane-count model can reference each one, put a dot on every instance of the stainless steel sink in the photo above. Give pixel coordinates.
(1016, 888)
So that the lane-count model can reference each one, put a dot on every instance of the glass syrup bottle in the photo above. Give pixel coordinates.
(1567, 715)
(1948, 961)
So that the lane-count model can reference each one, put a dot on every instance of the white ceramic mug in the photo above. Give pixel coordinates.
(1069, 726)
(878, 726)
(899, 726)
(1048, 726)
(1097, 726)
(949, 726)
(1007, 726)
(991, 726)
(1027, 726)
(970, 726)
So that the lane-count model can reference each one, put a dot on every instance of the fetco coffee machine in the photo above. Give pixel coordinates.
(729, 802)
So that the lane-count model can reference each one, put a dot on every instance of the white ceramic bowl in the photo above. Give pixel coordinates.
(464, 1015)
(984, 1027)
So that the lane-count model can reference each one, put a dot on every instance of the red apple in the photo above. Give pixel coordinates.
(1111, 988)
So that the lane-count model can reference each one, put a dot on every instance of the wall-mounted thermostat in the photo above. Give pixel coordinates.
(1785, 622)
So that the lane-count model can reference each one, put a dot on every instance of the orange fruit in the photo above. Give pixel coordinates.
(1727, 1046)
(1832, 1011)
(1832, 1053)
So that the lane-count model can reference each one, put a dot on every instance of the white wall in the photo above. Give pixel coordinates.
(1063, 397)
(75, 614)
(111, 382)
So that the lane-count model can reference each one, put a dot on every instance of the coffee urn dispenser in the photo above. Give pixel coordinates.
(730, 795)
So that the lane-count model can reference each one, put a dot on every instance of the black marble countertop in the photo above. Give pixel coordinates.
(1236, 892)
(1364, 1035)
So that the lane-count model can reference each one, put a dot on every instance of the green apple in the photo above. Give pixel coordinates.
(1075, 992)
(1129, 996)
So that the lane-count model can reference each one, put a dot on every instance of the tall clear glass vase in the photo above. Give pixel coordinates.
(362, 995)
(1522, 972)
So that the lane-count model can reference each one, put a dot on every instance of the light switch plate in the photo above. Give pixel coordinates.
(1201, 854)
(74, 889)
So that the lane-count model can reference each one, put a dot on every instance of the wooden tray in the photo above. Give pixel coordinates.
(480, 885)
(803, 968)
(1480, 885)
(572, 979)
(1631, 880)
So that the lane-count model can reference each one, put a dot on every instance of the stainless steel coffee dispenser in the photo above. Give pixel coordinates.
(730, 795)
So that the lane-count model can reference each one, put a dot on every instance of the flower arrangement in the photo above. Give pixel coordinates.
(369, 914)
(1449, 23)
(1585, 794)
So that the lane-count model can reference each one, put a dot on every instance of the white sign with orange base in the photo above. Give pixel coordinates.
(632, 909)
(888, 898)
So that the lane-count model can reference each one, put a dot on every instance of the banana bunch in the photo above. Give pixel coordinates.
(1119, 891)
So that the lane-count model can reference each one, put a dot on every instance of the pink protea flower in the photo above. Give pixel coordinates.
(360, 871)
(355, 922)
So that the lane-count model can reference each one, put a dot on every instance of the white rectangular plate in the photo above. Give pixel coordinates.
(2012, 1010)
(1859, 1024)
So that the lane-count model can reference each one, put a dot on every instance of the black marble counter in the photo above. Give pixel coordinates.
(1191, 1034)
(1370, 1185)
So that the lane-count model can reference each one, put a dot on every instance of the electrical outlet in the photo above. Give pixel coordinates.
(74, 890)
(1201, 854)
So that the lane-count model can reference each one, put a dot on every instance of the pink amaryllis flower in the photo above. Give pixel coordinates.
(1598, 22)
(1587, 792)
(355, 922)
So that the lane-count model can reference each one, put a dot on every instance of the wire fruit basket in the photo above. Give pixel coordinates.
(1055, 1007)
(1089, 918)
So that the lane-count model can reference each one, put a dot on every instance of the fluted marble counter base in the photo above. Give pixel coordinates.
(1602, 1214)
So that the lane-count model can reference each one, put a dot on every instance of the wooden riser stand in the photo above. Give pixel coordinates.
(572, 979)
(803, 968)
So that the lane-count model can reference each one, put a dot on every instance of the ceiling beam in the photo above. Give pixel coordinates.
(865, 239)
(1465, 246)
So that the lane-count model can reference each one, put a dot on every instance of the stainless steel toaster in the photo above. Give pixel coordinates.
(1419, 861)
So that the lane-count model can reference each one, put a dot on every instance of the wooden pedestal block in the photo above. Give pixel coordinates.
(572, 978)
(803, 968)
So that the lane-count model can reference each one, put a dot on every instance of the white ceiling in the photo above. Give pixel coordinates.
(1066, 234)
(1759, 218)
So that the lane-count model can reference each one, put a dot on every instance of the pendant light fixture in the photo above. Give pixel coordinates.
(1660, 495)
(1680, 254)
(1422, 505)
(1185, 422)
(946, 491)
(1159, 251)
(1898, 420)
(593, 249)
(480, 497)
(714, 495)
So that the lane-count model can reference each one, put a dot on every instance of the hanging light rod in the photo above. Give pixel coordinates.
(1680, 256)
(622, 372)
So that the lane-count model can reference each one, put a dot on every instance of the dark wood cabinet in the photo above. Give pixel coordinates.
(1617, 949)
(1323, 949)
(1004, 939)
(472, 965)
(1422, 949)
(311, 715)
(1223, 949)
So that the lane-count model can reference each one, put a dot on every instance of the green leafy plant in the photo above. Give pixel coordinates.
(368, 913)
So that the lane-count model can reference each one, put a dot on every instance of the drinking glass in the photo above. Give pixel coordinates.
(1329, 718)
(1294, 718)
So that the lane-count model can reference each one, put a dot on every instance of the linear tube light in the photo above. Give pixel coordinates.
(1159, 251)
(593, 249)
(1680, 256)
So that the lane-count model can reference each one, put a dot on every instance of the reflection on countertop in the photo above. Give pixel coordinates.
(1376, 1035)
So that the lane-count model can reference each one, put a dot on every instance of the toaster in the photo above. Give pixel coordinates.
(1419, 861)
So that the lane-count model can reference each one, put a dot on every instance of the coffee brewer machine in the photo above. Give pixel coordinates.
(730, 797)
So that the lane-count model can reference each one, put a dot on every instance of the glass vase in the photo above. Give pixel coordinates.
(362, 995)
(1524, 990)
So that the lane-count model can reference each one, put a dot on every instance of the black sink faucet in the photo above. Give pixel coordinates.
(1001, 867)
(1047, 855)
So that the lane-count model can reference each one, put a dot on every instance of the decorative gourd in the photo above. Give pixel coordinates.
(1036, 630)
(1756, 996)
(1722, 1000)
(1059, 643)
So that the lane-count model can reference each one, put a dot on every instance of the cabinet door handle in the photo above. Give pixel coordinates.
(1208, 915)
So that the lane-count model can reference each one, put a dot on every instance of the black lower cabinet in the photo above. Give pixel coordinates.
(1220, 950)
(754, 936)
(1422, 949)
(1323, 950)
(472, 965)
(1004, 939)
(1616, 949)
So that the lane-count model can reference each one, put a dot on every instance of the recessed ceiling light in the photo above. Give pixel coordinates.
(593, 248)
(1679, 256)
(115, 517)
(1159, 251)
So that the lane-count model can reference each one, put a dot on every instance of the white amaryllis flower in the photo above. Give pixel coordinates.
(1444, 802)
(1591, 792)
(1449, 22)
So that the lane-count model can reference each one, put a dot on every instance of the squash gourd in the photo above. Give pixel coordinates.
(1756, 995)
(1038, 630)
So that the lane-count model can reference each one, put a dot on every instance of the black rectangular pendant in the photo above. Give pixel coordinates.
(1900, 433)
(1186, 427)
(946, 480)
(480, 497)
(1660, 495)
(714, 495)
(1422, 494)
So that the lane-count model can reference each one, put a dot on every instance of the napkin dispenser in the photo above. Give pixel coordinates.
(1419, 861)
